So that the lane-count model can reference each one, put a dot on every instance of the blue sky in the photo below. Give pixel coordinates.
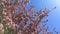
(54, 16)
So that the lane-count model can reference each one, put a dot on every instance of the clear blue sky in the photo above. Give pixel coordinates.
(54, 16)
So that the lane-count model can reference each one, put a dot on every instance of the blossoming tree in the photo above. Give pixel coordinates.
(16, 19)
